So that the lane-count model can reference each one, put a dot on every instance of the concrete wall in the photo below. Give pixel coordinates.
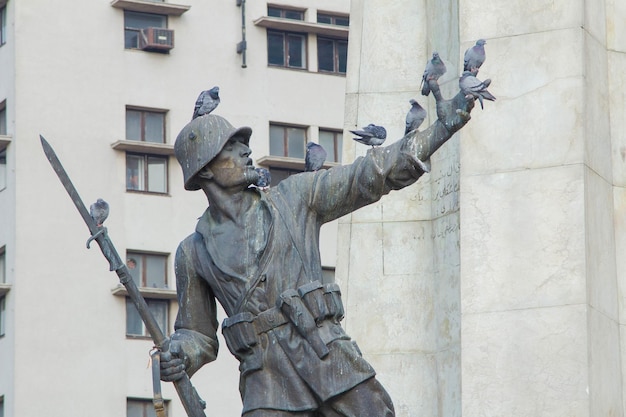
(519, 310)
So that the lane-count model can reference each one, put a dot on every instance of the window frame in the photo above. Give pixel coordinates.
(283, 12)
(143, 113)
(151, 302)
(3, 303)
(137, 30)
(286, 37)
(3, 168)
(285, 145)
(333, 18)
(336, 56)
(337, 144)
(146, 178)
(147, 405)
(142, 257)
(3, 24)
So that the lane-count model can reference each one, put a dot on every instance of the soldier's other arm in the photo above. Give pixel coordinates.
(194, 342)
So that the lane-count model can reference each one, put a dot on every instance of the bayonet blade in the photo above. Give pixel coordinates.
(69, 187)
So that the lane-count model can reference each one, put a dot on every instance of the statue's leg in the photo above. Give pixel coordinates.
(368, 399)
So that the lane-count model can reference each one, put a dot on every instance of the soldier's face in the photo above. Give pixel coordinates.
(232, 167)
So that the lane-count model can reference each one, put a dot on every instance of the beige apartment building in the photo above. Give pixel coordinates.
(110, 84)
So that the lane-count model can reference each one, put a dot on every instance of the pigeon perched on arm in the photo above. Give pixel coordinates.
(435, 68)
(99, 211)
(265, 178)
(474, 57)
(473, 87)
(415, 117)
(207, 102)
(314, 158)
(371, 135)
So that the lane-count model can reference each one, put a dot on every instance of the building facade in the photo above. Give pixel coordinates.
(110, 84)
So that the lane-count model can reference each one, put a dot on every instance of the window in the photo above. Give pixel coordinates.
(135, 21)
(145, 125)
(2, 314)
(331, 141)
(135, 326)
(279, 174)
(147, 270)
(3, 268)
(332, 55)
(137, 407)
(3, 169)
(3, 118)
(330, 19)
(2, 406)
(287, 141)
(286, 49)
(285, 13)
(146, 173)
(3, 25)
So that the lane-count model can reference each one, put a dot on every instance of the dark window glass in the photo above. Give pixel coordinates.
(273, 12)
(3, 119)
(3, 169)
(296, 50)
(136, 407)
(3, 25)
(275, 48)
(326, 54)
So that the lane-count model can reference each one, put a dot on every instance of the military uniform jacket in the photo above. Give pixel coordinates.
(288, 218)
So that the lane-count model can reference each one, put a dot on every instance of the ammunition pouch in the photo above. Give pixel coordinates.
(242, 342)
(311, 309)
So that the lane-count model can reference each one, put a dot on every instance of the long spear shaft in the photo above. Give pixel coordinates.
(192, 403)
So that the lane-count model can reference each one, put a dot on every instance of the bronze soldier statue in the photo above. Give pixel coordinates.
(257, 253)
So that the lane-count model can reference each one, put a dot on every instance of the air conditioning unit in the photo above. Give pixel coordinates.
(156, 39)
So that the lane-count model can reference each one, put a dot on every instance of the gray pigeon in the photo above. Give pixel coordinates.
(415, 117)
(207, 102)
(473, 87)
(435, 68)
(314, 158)
(265, 178)
(474, 57)
(371, 135)
(99, 211)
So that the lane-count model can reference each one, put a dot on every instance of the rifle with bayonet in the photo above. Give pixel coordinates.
(194, 406)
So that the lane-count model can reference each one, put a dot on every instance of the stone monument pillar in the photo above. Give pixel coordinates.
(495, 286)
(398, 261)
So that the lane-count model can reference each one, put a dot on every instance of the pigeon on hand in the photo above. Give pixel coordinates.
(99, 211)
(474, 57)
(371, 135)
(473, 87)
(415, 117)
(207, 102)
(265, 178)
(314, 158)
(435, 68)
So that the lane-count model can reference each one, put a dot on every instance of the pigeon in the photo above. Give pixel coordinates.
(435, 68)
(207, 102)
(371, 135)
(315, 157)
(473, 87)
(474, 57)
(99, 211)
(415, 117)
(265, 178)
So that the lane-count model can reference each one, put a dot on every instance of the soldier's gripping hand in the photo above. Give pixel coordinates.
(172, 362)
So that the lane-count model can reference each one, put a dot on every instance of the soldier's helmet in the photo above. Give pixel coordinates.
(201, 140)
